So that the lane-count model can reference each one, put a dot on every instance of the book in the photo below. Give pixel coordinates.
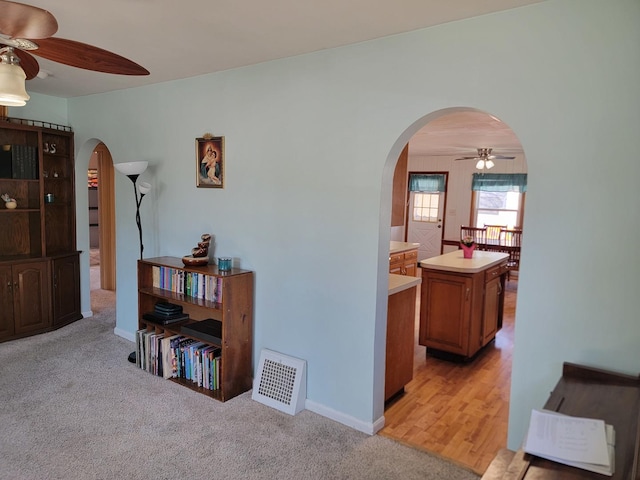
(585, 443)
(167, 308)
(208, 330)
(168, 363)
(165, 319)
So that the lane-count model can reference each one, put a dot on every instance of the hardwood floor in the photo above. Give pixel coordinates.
(458, 410)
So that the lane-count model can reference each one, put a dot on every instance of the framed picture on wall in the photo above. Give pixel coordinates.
(210, 161)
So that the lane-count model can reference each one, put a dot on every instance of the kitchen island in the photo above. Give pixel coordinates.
(461, 302)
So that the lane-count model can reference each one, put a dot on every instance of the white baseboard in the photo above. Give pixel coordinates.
(125, 334)
(87, 314)
(349, 421)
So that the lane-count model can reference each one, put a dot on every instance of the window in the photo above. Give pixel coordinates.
(425, 207)
(498, 199)
(498, 208)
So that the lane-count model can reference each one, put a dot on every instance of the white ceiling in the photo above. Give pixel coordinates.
(176, 40)
(462, 133)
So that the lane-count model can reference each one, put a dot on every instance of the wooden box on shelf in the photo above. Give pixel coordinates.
(232, 305)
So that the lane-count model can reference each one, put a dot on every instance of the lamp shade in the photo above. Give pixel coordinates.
(131, 168)
(480, 164)
(144, 188)
(489, 164)
(12, 89)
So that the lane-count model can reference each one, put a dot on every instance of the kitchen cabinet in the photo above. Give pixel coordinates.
(461, 302)
(401, 317)
(403, 258)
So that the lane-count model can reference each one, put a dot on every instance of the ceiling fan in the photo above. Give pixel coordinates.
(26, 30)
(485, 158)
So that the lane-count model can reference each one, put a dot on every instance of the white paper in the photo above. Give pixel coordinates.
(582, 442)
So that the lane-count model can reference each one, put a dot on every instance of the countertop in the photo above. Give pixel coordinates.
(454, 261)
(398, 283)
(399, 247)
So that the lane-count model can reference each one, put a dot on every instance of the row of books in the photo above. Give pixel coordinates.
(19, 161)
(191, 284)
(177, 356)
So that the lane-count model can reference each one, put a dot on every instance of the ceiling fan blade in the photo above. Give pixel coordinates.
(25, 21)
(468, 158)
(500, 157)
(28, 63)
(88, 57)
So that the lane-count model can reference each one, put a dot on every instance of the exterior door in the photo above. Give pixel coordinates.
(424, 223)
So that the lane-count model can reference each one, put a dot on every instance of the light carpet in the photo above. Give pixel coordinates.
(73, 407)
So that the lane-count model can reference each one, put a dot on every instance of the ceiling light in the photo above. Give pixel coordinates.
(12, 78)
(480, 164)
(489, 164)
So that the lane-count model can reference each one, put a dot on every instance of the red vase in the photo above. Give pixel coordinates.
(467, 252)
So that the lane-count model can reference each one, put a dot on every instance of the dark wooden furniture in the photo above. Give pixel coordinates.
(39, 263)
(584, 391)
(461, 304)
(235, 312)
(510, 241)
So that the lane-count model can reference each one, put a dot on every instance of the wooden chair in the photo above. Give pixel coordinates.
(477, 233)
(510, 241)
(493, 237)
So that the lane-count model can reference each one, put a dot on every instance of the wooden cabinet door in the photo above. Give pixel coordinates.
(411, 263)
(31, 297)
(6, 303)
(396, 263)
(445, 312)
(66, 290)
(492, 296)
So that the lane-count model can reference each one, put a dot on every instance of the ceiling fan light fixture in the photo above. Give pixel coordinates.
(489, 164)
(12, 77)
(480, 164)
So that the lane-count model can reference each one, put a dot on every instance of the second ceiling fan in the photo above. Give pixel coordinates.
(485, 158)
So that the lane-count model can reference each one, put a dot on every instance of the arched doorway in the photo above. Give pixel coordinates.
(102, 225)
(459, 411)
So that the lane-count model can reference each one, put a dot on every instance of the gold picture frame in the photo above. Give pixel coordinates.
(210, 161)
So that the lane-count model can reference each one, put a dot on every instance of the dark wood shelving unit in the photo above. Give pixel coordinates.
(39, 263)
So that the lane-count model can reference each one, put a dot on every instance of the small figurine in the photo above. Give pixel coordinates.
(10, 203)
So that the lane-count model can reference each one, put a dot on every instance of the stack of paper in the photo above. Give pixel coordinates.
(585, 443)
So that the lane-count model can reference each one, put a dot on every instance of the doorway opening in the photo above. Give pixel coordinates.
(458, 410)
(101, 221)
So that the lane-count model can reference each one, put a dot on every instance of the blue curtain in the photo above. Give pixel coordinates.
(419, 182)
(499, 182)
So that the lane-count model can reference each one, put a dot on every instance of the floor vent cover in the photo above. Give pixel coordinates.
(281, 382)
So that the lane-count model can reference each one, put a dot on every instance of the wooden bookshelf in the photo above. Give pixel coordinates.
(234, 311)
(39, 263)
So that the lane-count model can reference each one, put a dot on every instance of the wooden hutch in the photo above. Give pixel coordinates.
(39, 263)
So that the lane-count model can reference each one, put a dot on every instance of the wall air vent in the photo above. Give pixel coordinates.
(281, 382)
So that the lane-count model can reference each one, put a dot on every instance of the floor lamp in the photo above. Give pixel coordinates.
(133, 170)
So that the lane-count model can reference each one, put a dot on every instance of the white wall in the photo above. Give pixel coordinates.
(311, 144)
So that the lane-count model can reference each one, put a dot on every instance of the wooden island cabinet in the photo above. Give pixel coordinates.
(39, 263)
(461, 302)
